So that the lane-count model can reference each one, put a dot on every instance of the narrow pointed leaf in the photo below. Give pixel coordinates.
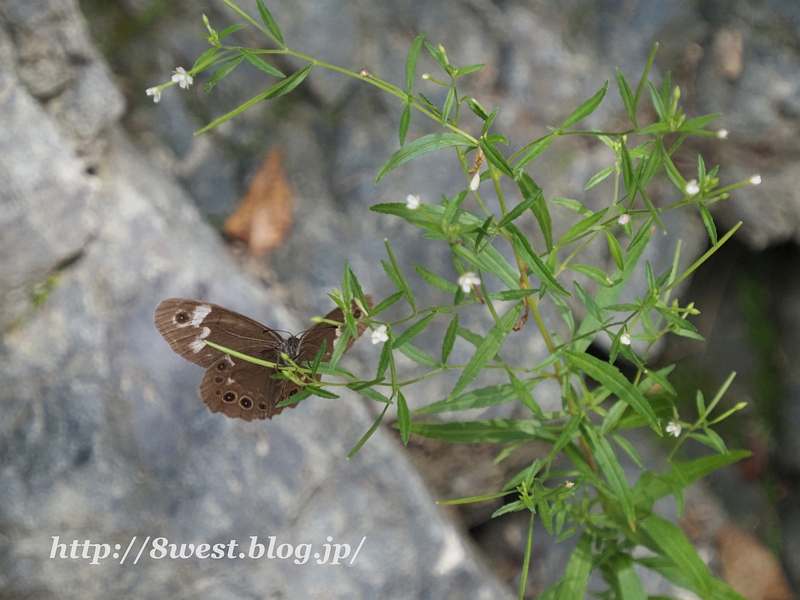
(413, 331)
(487, 349)
(259, 63)
(605, 457)
(270, 22)
(412, 59)
(420, 146)
(678, 548)
(586, 108)
(609, 376)
(222, 72)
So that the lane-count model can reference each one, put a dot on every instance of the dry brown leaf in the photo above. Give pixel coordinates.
(749, 568)
(264, 215)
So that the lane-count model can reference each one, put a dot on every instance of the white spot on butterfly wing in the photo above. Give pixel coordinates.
(230, 381)
(200, 313)
(204, 334)
(197, 345)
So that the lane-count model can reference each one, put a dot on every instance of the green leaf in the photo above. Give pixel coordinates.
(277, 90)
(572, 205)
(259, 63)
(470, 68)
(476, 107)
(698, 122)
(585, 109)
(535, 150)
(615, 249)
(594, 273)
(222, 72)
(487, 349)
(448, 106)
(270, 22)
(589, 303)
(598, 177)
(534, 262)
(411, 61)
(341, 346)
(420, 146)
(418, 355)
(449, 338)
(435, 280)
(583, 225)
(609, 376)
(318, 358)
(369, 433)
(370, 393)
(568, 432)
(386, 302)
(492, 395)
(517, 211)
(678, 548)
(384, 359)
(627, 97)
(522, 390)
(607, 459)
(496, 431)
(403, 284)
(673, 573)
(403, 418)
(438, 56)
(629, 449)
(573, 586)
(413, 331)
(708, 221)
(230, 29)
(405, 121)
(507, 295)
(451, 207)
(494, 157)
(628, 582)
(205, 59)
(564, 310)
(683, 474)
(539, 208)
(607, 296)
(321, 392)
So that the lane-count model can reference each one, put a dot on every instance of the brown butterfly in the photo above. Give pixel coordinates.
(233, 386)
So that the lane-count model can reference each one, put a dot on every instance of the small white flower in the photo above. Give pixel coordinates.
(674, 428)
(476, 180)
(569, 484)
(380, 335)
(412, 201)
(722, 134)
(692, 188)
(755, 179)
(155, 93)
(624, 219)
(467, 280)
(625, 339)
(426, 76)
(182, 78)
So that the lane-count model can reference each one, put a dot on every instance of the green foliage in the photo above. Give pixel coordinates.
(593, 497)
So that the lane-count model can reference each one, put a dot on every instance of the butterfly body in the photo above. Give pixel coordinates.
(233, 386)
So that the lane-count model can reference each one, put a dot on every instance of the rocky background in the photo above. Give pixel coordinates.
(110, 204)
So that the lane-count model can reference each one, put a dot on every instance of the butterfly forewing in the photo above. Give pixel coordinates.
(186, 324)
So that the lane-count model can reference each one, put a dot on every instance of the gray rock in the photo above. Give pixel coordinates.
(103, 435)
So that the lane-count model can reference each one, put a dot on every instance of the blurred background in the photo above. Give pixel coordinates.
(110, 204)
